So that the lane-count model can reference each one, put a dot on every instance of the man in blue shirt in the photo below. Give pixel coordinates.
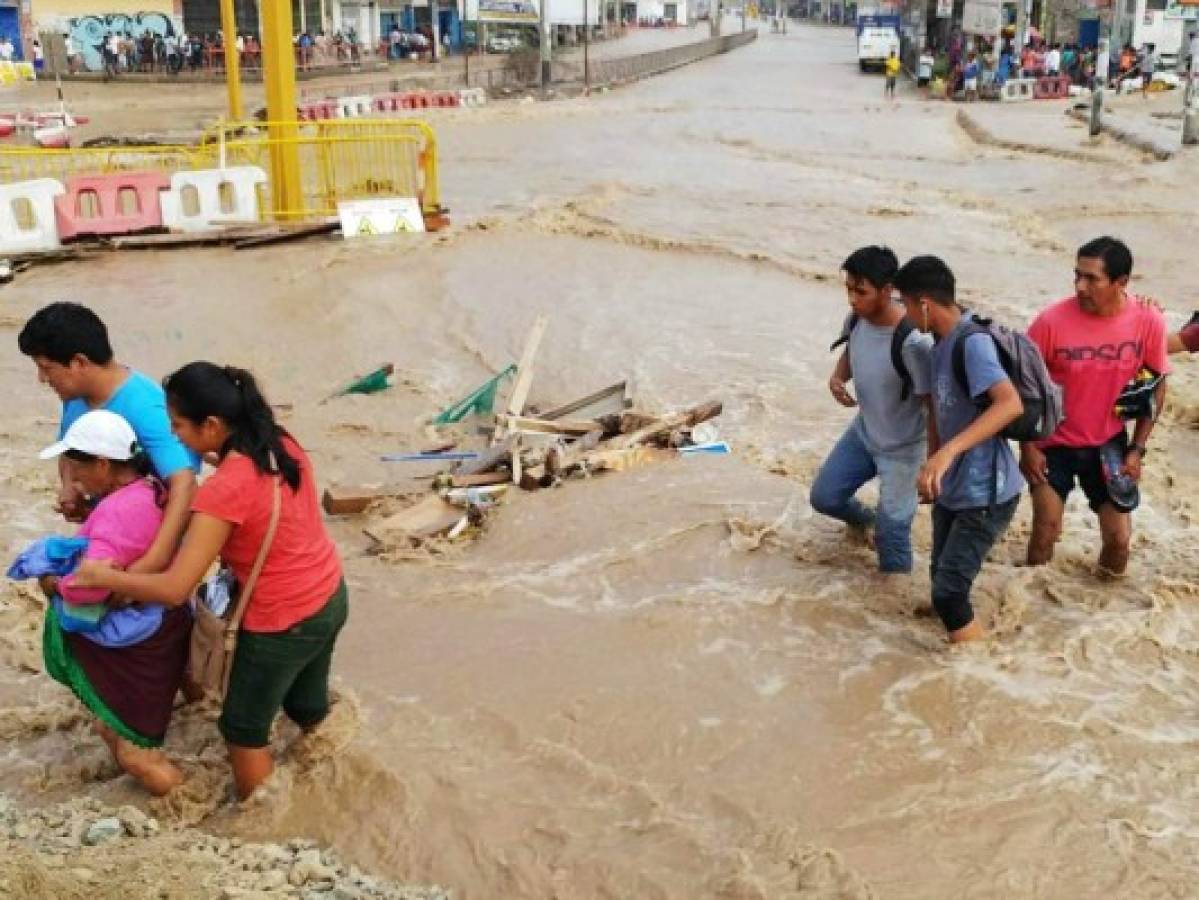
(69, 345)
(971, 476)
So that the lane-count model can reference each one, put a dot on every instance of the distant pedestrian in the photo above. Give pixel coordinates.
(6, 50)
(891, 70)
(39, 56)
(1148, 67)
(71, 49)
(970, 78)
(924, 71)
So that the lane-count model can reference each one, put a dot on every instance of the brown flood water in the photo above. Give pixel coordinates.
(679, 682)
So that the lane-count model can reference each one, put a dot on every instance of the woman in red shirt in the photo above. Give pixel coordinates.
(298, 605)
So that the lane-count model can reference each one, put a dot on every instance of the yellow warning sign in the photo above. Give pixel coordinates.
(370, 218)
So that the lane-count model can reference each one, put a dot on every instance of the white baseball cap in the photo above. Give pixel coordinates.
(97, 433)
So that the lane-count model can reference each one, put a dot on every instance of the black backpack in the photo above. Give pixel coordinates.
(1020, 358)
(902, 330)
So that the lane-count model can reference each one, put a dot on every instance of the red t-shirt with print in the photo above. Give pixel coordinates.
(1093, 358)
(302, 568)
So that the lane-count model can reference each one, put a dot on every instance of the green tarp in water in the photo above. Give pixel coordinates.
(480, 401)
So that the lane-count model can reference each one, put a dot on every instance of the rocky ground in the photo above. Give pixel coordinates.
(74, 849)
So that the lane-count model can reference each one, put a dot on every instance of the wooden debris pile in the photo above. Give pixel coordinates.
(528, 448)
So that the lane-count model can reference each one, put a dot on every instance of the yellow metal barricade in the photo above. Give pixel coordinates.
(339, 160)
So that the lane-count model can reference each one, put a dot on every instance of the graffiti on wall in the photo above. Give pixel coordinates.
(90, 32)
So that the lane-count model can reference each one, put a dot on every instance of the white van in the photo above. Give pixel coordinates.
(875, 45)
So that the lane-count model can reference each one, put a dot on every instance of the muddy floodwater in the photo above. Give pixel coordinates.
(679, 682)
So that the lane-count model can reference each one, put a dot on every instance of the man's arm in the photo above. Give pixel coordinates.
(934, 439)
(1005, 408)
(1133, 458)
(181, 487)
(842, 374)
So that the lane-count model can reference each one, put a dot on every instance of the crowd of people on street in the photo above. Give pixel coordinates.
(980, 67)
(942, 394)
(123, 53)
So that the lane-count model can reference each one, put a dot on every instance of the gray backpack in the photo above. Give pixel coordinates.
(1020, 358)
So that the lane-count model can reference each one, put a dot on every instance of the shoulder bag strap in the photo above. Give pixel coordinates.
(243, 596)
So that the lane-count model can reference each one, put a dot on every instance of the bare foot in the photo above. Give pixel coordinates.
(972, 632)
(157, 774)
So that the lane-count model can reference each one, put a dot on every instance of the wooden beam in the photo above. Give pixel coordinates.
(541, 426)
(686, 419)
(524, 373)
(488, 459)
(606, 401)
(351, 500)
(428, 517)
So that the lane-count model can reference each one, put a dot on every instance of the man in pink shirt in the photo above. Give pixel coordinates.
(1094, 344)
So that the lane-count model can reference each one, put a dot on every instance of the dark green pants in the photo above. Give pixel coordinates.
(286, 670)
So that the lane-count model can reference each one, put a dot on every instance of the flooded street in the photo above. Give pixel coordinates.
(679, 682)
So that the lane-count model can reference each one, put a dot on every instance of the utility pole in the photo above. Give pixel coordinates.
(465, 45)
(586, 49)
(434, 29)
(232, 60)
(1190, 109)
(714, 18)
(547, 51)
(279, 79)
(744, 8)
(1097, 89)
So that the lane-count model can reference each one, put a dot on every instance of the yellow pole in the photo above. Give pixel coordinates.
(232, 60)
(279, 78)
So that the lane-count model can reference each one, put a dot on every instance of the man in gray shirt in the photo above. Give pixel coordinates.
(889, 364)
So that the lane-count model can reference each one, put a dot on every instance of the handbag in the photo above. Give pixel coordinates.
(214, 637)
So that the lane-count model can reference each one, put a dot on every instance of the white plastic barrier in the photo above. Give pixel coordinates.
(1018, 89)
(34, 227)
(472, 96)
(241, 198)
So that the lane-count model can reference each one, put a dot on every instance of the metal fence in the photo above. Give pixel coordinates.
(517, 73)
(340, 159)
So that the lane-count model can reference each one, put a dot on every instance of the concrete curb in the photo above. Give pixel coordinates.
(1131, 138)
(980, 135)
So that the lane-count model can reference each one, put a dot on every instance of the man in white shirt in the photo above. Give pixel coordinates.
(1053, 60)
(6, 50)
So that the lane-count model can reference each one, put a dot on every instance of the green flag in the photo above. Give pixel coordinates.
(480, 401)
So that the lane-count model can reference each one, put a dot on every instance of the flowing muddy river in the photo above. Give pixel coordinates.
(679, 682)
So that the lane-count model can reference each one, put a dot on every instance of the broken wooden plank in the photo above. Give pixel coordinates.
(533, 477)
(483, 479)
(351, 500)
(541, 426)
(560, 458)
(611, 400)
(524, 374)
(425, 518)
(289, 234)
(488, 459)
(187, 239)
(687, 419)
(621, 459)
